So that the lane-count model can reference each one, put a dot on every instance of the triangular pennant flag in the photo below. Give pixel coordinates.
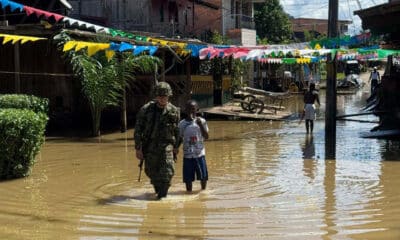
(114, 46)
(86, 25)
(80, 45)
(26, 39)
(93, 48)
(13, 5)
(7, 39)
(139, 49)
(39, 13)
(109, 54)
(125, 46)
(69, 46)
(152, 50)
(16, 38)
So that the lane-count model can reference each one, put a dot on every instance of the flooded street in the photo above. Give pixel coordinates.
(268, 180)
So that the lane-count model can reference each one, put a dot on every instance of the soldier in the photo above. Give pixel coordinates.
(157, 138)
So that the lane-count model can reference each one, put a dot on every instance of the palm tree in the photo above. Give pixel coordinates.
(103, 81)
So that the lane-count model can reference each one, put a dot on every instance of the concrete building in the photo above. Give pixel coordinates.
(316, 26)
(233, 19)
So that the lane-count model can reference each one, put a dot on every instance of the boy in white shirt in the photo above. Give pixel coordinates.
(374, 78)
(194, 130)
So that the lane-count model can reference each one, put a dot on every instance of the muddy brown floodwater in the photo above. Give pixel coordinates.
(268, 180)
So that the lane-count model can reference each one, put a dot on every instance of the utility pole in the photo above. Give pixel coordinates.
(193, 16)
(330, 112)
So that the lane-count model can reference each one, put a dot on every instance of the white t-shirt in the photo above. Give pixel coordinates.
(193, 141)
(375, 75)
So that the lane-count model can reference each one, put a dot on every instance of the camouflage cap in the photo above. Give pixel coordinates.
(162, 89)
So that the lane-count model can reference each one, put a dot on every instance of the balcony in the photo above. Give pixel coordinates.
(169, 29)
(238, 21)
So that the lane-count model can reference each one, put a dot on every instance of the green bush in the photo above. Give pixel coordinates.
(22, 101)
(21, 136)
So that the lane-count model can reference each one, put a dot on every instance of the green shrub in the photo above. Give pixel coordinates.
(22, 101)
(21, 136)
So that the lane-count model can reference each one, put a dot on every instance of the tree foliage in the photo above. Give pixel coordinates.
(272, 23)
(23, 122)
(103, 81)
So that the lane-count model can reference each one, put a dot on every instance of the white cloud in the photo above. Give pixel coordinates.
(319, 9)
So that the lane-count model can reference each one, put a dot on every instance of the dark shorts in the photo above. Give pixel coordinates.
(194, 167)
(374, 83)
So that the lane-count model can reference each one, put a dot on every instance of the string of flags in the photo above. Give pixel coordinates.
(22, 39)
(14, 6)
(266, 54)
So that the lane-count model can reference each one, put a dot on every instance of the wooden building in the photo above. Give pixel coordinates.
(384, 20)
(39, 68)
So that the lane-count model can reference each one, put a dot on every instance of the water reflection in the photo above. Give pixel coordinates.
(308, 147)
(390, 149)
(309, 164)
(330, 210)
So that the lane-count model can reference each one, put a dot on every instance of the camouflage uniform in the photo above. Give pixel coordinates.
(157, 134)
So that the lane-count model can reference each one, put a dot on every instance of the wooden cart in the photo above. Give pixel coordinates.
(256, 100)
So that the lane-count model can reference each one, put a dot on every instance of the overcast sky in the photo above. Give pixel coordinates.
(319, 9)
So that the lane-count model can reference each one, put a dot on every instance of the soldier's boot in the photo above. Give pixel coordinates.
(156, 188)
(188, 186)
(203, 184)
(162, 191)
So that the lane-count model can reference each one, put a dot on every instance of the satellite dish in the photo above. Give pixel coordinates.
(66, 4)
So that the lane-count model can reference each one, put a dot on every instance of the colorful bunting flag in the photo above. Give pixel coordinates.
(15, 38)
(13, 5)
(30, 10)
(92, 48)
(97, 28)
(195, 49)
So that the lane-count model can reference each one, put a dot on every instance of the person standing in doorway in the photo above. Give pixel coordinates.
(194, 130)
(310, 97)
(374, 79)
(157, 138)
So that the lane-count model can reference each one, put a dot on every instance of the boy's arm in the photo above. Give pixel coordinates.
(203, 128)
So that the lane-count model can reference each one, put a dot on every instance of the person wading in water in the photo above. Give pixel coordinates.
(374, 78)
(309, 108)
(194, 130)
(157, 138)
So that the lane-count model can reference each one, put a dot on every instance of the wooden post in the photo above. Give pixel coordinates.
(333, 19)
(330, 111)
(17, 68)
(124, 124)
(124, 121)
(193, 17)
